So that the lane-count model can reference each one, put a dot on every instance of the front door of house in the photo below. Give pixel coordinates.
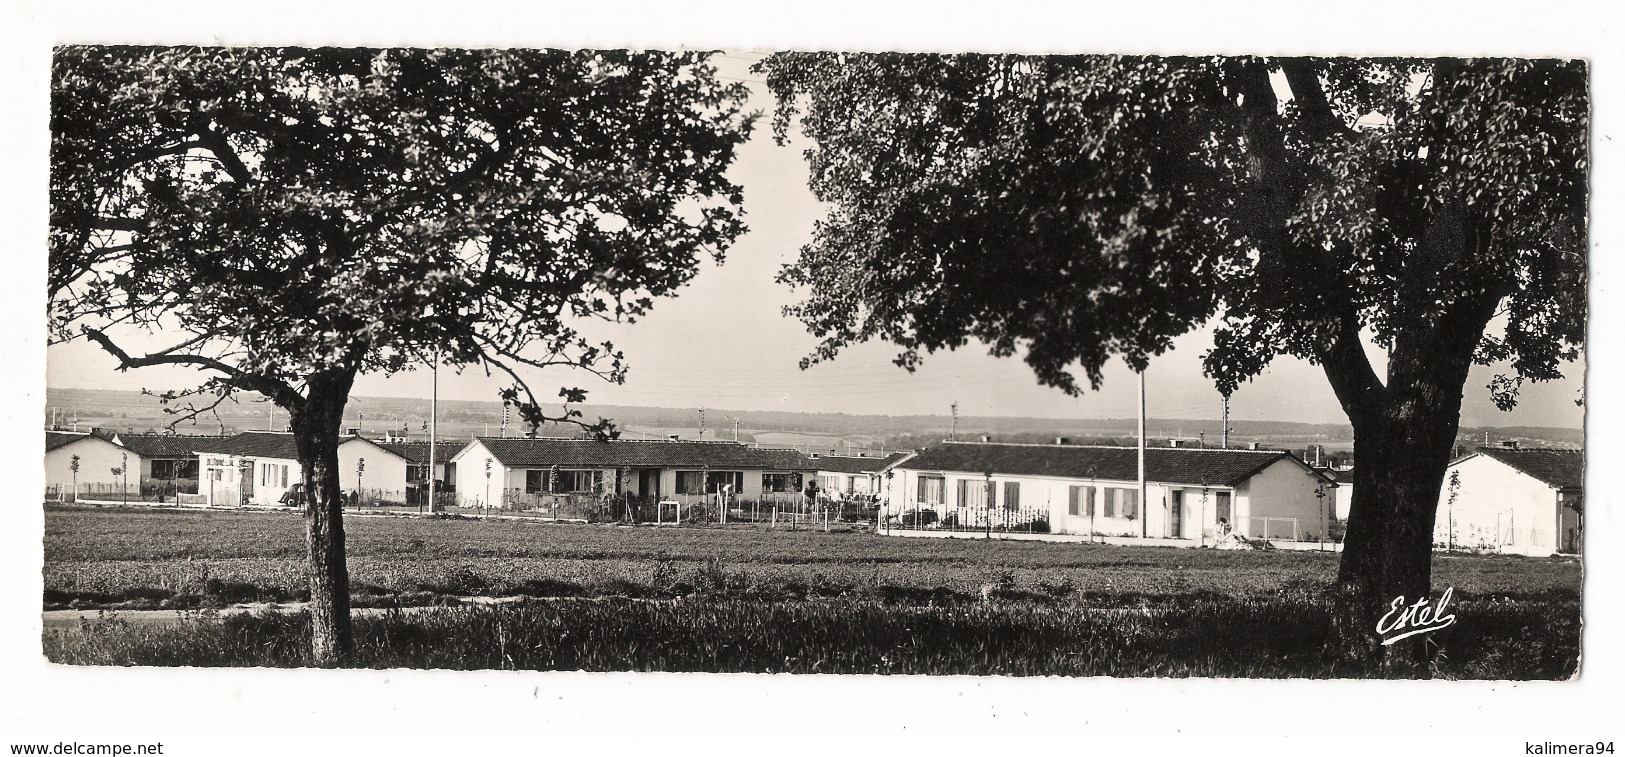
(1176, 514)
(245, 476)
(1568, 529)
(649, 483)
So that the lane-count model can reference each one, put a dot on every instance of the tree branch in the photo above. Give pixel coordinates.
(279, 391)
(531, 409)
(217, 144)
(1304, 81)
(1349, 371)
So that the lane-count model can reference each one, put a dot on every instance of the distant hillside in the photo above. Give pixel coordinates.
(132, 411)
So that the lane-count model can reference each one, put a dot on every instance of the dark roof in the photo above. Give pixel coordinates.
(1172, 465)
(855, 464)
(253, 444)
(60, 439)
(417, 453)
(1557, 468)
(642, 454)
(168, 445)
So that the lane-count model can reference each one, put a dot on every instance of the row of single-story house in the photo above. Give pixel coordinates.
(1190, 493)
(253, 468)
(1527, 501)
(259, 467)
(844, 476)
(94, 461)
(494, 471)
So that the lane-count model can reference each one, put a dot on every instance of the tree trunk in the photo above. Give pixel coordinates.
(1388, 551)
(316, 430)
(1403, 439)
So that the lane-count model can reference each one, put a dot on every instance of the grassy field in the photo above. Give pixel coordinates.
(618, 598)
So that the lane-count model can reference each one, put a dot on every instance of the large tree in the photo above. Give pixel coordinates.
(1073, 209)
(288, 219)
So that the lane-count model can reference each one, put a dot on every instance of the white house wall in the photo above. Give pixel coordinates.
(97, 459)
(270, 494)
(1496, 507)
(1284, 490)
(1285, 493)
(1049, 496)
(385, 470)
(469, 475)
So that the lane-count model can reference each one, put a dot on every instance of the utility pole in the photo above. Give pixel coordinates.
(1226, 422)
(953, 425)
(702, 423)
(434, 414)
(1142, 505)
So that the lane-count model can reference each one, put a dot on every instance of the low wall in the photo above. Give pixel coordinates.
(1121, 541)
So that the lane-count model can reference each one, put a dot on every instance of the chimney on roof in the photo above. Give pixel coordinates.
(1062, 440)
(1175, 442)
(353, 432)
(671, 437)
(986, 438)
(1252, 445)
(1509, 444)
(530, 434)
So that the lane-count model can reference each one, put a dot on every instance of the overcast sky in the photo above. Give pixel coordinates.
(722, 342)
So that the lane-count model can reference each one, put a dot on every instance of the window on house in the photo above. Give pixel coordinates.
(1221, 510)
(535, 481)
(690, 481)
(720, 478)
(1129, 504)
(931, 490)
(972, 493)
(776, 482)
(164, 469)
(578, 481)
(284, 476)
(1012, 495)
(1081, 501)
(414, 473)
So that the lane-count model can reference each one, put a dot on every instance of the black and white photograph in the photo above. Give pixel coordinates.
(811, 390)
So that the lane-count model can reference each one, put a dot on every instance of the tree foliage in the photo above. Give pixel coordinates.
(1077, 208)
(1073, 209)
(290, 219)
(296, 212)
